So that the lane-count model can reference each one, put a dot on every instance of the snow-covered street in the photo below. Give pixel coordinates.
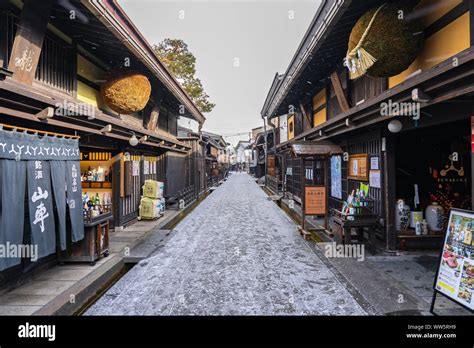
(237, 253)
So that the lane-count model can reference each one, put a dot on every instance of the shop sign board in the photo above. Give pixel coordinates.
(455, 276)
(358, 167)
(315, 200)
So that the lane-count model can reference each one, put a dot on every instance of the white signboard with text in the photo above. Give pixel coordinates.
(456, 269)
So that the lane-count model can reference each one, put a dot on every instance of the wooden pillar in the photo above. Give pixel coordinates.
(326, 184)
(339, 91)
(3, 33)
(389, 174)
(116, 188)
(29, 40)
(306, 119)
(74, 64)
(472, 162)
(303, 192)
(471, 9)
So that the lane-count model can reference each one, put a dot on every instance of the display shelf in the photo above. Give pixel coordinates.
(410, 233)
(96, 184)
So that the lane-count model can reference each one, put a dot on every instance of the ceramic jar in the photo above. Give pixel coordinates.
(434, 215)
(402, 215)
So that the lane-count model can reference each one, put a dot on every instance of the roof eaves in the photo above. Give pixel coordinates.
(114, 17)
(328, 13)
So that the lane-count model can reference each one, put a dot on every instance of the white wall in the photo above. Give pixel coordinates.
(283, 122)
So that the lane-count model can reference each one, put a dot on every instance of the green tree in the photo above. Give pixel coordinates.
(174, 53)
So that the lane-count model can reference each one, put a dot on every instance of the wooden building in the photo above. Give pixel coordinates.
(55, 58)
(215, 154)
(399, 154)
(194, 165)
(264, 146)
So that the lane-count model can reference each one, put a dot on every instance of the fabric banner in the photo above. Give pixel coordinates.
(12, 208)
(46, 171)
(22, 146)
(58, 179)
(40, 199)
(74, 199)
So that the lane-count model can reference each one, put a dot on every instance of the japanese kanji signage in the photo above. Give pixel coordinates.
(315, 200)
(40, 199)
(74, 200)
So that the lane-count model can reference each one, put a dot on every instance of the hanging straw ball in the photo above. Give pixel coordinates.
(126, 92)
(391, 43)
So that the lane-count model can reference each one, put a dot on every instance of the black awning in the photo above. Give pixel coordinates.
(323, 148)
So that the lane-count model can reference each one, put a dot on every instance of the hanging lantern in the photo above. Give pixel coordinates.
(126, 92)
(395, 126)
(384, 42)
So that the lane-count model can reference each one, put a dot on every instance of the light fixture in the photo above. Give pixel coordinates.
(106, 129)
(417, 95)
(46, 113)
(133, 141)
(395, 126)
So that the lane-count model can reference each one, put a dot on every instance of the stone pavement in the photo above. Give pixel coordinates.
(49, 292)
(236, 253)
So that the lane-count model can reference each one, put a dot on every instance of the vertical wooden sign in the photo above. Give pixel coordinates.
(153, 121)
(29, 40)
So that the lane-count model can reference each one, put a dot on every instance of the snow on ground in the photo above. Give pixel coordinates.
(237, 253)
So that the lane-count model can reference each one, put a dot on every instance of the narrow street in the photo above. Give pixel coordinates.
(237, 253)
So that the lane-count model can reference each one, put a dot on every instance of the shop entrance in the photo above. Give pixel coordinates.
(96, 178)
(433, 175)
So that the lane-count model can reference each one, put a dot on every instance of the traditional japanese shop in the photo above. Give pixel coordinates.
(356, 180)
(433, 175)
(96, 178)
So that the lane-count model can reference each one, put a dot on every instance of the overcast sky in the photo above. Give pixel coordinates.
(260, 36)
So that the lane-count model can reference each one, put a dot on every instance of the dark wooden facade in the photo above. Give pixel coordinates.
(43, 88)
(353, 107)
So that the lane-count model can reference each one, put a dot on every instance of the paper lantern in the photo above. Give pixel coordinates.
(384, 42)
(126, 92)
(395, 126)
